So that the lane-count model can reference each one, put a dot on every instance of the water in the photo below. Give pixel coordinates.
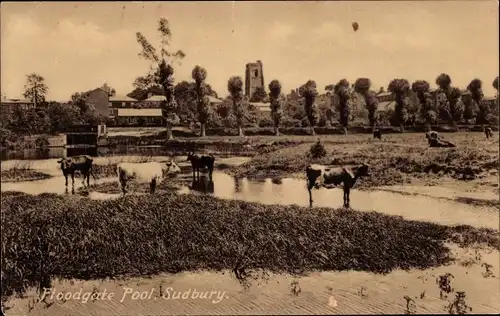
(293, 191)
(153, 150)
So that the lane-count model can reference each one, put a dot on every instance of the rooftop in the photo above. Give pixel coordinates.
(214, 100)
(16, 101)
(156, 98)
(139, 112)
(386, 106)
(263, 107)
(121, 98)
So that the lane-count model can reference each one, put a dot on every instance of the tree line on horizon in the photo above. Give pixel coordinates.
(189, 101)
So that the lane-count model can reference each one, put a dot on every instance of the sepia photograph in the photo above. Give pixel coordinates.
(249, 157)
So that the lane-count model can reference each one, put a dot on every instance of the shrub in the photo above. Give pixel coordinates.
(317, 150)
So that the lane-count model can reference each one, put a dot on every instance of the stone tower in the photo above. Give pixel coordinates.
(254, 77)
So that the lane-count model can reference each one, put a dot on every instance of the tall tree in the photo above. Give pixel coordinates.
(400, 88)
(259, 95)
(309, 92)
(342, 96)
(199, 75)
(476, 89)
(444, 97)
(35, 88)
(455, 105)
(469, 106)
(163, 70)
(422, 90)
(235, 89)
(362, 86)
(277, 100)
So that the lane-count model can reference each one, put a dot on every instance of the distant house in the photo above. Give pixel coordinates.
(120, 102)
(155, 98)
(20, 103)
(214, 102)
(261, 108)
(141, 117)
(491, 102)
(385, 96)
(100, 99)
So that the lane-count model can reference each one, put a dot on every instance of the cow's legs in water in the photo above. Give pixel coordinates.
(152, 186)
(310, 185)
(73, 178)
(66, 178)
(347, 192)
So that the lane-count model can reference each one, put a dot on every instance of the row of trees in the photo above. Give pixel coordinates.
(445, 103)
(189, 101)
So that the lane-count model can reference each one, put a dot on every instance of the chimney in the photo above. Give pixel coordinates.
(150, 94)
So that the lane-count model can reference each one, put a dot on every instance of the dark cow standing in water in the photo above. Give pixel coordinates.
(83, 164)
(377, 134)
(198, 163)
(488, 132)
(329, 177)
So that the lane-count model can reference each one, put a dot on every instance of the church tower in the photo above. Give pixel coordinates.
(254, 77)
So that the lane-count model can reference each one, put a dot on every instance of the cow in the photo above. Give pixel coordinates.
(432, 135)
(439, 142)
(488, 132)
(82, 163)
(377, 134)
(145, 172)
(435, 140)
(200, 162)
(329, 177)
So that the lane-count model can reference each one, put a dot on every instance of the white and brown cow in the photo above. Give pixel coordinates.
(329, 177)
(145, 172)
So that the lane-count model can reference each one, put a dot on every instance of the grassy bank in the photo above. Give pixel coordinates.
(49, 236)
(21, 171)
(398, 159)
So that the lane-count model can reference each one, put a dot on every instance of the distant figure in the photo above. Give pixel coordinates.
(488, 132)
(377, 134)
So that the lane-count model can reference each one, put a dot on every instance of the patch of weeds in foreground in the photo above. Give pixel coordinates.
(410, 305)
(458, 304)
(50, 236)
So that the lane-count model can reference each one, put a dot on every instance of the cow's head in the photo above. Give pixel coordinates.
(363, 170)
(172, 167)
(431, 135)
(190, 156)
(64, 163)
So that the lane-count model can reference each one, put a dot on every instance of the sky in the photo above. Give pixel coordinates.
(78, 46)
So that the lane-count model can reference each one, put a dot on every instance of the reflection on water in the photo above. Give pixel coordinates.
(52, 185)
(203, 184)
(48, 153)
(293, 191)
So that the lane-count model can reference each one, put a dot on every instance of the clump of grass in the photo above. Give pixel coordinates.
(21, 171)
(393, 163)
(317, 150)
(49, 236)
